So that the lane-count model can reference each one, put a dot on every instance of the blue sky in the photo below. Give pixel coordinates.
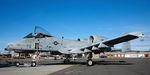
(75, 18)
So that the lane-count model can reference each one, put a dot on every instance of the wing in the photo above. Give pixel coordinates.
(109, 42)
(123, 38)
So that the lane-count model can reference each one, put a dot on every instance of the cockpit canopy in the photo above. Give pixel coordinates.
(38, 33)
(29, 36)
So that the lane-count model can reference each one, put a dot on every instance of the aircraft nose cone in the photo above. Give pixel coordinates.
(5, 48)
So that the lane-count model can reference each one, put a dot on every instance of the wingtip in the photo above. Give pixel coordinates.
(138, 34)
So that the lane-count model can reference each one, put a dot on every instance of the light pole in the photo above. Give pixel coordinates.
(142, 40)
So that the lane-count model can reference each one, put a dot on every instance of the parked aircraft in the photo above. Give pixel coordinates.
(43, 41)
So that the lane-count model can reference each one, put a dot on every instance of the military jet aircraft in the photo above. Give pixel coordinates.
(43, 41)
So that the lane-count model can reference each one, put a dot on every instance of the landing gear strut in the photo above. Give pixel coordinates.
(34, 60)
(67, 60)
(89, 61)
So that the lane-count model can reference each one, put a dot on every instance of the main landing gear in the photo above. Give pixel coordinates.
(67, 60)
(33, 64)
(89, 62)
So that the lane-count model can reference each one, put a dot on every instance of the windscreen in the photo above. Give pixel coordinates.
(38, 33)
(40, 30)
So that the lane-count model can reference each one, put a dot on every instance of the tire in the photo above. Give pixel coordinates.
(17, 64)
(33, 64)
(55, 58)
(90, 62)
(66, 61)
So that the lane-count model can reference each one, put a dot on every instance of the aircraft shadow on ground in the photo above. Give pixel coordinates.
(5, 65)
(112, 63)
(102, 62)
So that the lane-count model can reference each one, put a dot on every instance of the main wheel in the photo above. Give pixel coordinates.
(90, 62)
(17, 64)
(33, 64)
(55, 58)
(66, 61)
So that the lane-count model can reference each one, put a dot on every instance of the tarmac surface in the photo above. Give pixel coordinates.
(40, 70)
(130, 66)
(108, 66)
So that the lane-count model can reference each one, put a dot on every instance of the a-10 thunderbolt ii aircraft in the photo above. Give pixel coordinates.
(41, 41)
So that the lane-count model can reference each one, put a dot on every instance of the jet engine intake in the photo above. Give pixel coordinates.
(95, 38)
(82, 40)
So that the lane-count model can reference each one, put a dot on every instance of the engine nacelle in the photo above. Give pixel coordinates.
(82, 40)
(95, 38)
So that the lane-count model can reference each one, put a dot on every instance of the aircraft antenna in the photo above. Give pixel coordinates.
(35, 30)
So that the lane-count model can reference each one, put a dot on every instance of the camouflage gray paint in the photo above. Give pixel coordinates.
(56, 45)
